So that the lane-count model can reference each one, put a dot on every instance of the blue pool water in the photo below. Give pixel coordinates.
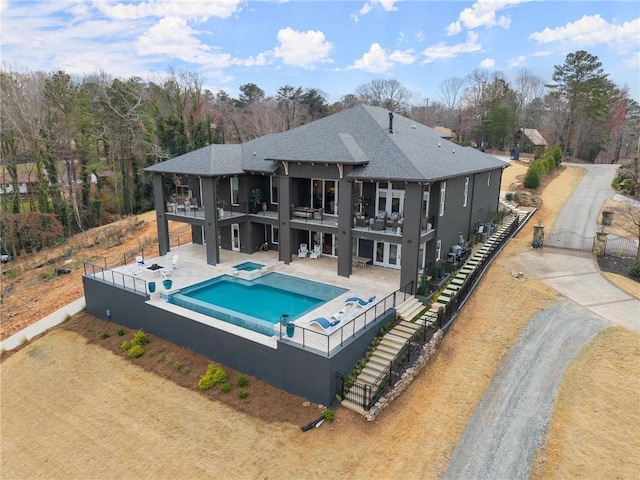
(255, 304)
(248, 266)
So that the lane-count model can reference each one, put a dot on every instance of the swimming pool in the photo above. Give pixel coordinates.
(255, 304)
(248, 266)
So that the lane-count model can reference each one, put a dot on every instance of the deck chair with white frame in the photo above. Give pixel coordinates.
(303, 250)
(315, 252)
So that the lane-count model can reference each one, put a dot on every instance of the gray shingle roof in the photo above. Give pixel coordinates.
(359, 137)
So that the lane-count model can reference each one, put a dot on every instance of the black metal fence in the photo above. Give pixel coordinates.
(366, 395)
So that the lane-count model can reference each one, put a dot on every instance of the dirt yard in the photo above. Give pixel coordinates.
(72, 408)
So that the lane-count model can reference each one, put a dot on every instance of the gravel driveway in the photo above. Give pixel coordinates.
(512, 420)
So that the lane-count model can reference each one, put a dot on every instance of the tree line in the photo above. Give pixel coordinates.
(83, 143)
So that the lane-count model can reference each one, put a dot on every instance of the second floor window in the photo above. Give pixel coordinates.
(234, 191)
(466, 191)
(443, 192)
(274, 189)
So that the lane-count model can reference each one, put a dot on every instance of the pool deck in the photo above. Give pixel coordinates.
(192, 268)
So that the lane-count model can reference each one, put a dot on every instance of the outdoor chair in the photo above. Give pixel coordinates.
(315, 252)
(303, 250)
(324, 323)
(359, 302)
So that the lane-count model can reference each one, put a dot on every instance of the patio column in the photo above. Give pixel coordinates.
(345, 224)
(160, 203)
(284, 218)
(411, 234)
(209, 195)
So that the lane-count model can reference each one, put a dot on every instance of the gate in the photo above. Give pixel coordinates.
(621, 246)
(569, 240)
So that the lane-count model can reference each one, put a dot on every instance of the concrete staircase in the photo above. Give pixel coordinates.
(391, 343)
(398, 336)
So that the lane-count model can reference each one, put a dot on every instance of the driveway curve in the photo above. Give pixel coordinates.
(512, 420)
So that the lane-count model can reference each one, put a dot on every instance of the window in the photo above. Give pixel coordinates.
(234, 191)
(443, 191)
(438, 249)
(274, 189)
(275, 235)
(466, 191)
(489, 180)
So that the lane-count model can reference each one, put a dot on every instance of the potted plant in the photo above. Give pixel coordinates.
(359, 217)
(220, 203)
(256, 199)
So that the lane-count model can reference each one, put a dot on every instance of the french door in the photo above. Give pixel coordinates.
(235, 237)
(387, 254)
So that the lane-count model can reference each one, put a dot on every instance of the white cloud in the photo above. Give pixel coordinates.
(379, 60)
(387, 5)
(194, 10)
(488, 63)
(591, 30)
(173, 37)
(454, 28)
(515, 62)
(302, 49)
(420, 36)
(483, 13)
(441, 50)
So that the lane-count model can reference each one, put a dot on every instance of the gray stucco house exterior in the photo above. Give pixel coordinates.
(362, 185)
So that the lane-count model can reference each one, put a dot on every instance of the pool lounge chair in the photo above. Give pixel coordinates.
(167, 271)
(325, 323)
(359, 301)
(303, 250)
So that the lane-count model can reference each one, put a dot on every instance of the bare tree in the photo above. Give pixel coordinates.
(389, 94)
(451, 92)
(528, 88)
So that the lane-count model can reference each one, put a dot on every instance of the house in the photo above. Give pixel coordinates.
(528, 139)
(445, 132)
(26, 184)
(363, 186)
(422, 192)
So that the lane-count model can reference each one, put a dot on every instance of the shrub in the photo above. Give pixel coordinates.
(140, 338)
(125, 345)
(226, 387)
(243, 394)
(534, 175)
(120, 332)
(329, 415)
(214, 375)
(242, 381)
(104, 335)
(508, 197)
(136, 351)
(634, 269)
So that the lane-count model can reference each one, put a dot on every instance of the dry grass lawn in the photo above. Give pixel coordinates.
(75, 410)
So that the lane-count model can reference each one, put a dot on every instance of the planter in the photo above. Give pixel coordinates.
(291, 329)
(152, 287)
(220, 212)
(167, 284)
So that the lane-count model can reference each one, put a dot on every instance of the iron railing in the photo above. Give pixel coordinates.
(365, 395)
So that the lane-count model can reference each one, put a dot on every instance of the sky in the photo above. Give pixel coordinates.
(333, 46)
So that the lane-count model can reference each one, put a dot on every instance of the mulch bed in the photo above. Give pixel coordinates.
(619, 265)
(185, 367)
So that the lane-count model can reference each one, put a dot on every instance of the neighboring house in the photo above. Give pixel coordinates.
(446, 133)
(420, 192)
(528, 139)
(26, 184)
